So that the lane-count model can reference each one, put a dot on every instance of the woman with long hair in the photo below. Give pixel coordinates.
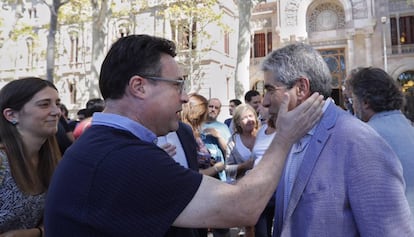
(240, 146)
(240, 159)
(195, 114)
(29, 153)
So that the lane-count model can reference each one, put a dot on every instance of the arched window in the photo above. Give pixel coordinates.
(326, 16)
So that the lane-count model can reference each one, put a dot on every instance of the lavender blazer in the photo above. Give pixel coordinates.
(349, 184)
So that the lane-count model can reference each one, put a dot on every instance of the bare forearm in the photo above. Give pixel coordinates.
(34, 232)
(241, 204)
(256, 188)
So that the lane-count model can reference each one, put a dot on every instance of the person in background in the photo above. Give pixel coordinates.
(194, 114)
(341, 178)
(65, 112)
(378, 100)
(92, 106)
(239, 159)
(232, 105)
(80, 115)
(254, 99)
(215, 134)
(29, 153)
(241, 142)
(182, 147)
(64, 134)
(214, 109)
(346, 93)
(115, 180)
(409, 104)
(264, 137)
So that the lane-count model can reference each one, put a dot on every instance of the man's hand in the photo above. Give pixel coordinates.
(293, 125)
(211, 131)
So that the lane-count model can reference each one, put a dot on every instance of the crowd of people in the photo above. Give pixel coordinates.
(150, 159)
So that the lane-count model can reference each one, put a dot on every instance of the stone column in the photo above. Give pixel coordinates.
(350, 44)
(368, 48)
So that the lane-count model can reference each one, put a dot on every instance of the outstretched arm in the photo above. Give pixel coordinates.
(241, 204)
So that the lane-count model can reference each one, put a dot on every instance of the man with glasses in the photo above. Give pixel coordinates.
(115, 180)
(340, 179)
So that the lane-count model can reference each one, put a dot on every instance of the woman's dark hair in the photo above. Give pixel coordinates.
(15, 95)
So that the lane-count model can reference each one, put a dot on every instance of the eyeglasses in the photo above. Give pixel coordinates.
(179, 82)
(270, 88)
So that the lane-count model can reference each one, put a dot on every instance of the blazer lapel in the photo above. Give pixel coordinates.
(315, 146)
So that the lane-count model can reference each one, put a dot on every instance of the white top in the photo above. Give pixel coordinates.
(244, 152)
(172, 138)
(261, 144)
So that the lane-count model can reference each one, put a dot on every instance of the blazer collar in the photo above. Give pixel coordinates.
(317, 143)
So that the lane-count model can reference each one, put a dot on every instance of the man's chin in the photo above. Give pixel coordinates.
(174, 127)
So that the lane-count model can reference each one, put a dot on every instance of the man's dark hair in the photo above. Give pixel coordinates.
(81, 112)
(375, 87)
(250, 94)
(236, 102)
(129, 56)
(95, 102)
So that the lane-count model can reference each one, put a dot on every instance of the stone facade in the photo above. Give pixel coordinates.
(348, 33)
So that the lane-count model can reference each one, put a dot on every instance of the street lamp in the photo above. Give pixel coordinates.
(384, 22)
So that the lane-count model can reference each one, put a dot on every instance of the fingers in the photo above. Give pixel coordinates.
(312, 108)
(294, 124)
(312, 104)
(285, 103)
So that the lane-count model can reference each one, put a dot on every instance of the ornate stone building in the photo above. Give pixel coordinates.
(348, 33)
(23, 43)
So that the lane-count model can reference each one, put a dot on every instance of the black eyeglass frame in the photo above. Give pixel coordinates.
(179, 82)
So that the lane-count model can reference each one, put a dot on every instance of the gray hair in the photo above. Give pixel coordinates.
(293, 61)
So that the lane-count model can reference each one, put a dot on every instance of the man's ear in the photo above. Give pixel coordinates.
(365, 105)
(136, 86)
(302, 88)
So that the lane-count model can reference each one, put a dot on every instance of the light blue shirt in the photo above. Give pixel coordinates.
(397, 130)
(220, 127)
(124, 123)
(295, 158)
